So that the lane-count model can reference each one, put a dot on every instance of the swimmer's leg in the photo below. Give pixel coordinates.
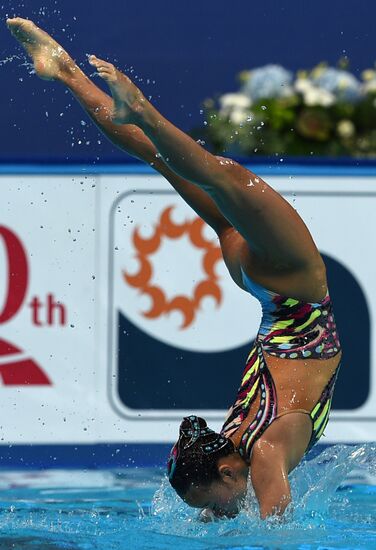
(271, 227)
(51, 61)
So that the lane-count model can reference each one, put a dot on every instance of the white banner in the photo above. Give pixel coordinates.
(118, 317)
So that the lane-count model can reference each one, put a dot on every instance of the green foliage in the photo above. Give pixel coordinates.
(294, 125)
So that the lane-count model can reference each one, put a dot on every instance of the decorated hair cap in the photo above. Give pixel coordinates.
(191, 429)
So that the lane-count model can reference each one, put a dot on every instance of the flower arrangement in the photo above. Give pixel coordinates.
(325, 111)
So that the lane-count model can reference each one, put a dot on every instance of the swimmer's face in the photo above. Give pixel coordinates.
(224, 496)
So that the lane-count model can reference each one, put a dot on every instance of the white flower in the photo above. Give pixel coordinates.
(231, 101)
(345, 128)
(316, 96)
(303, 85)
(237, 116)
(368, 74)
(369, 86)
(313, 95)
(235, 107)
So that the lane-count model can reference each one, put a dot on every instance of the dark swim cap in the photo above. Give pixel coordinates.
(194, 456)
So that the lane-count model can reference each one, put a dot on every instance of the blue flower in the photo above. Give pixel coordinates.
(339, 82)
(269, 81)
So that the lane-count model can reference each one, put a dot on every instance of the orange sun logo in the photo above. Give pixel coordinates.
(187, 305)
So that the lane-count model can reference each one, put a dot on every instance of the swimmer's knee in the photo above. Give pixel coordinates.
(227, 162)
(231, 171)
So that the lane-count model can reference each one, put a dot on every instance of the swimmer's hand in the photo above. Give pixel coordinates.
(207, 516)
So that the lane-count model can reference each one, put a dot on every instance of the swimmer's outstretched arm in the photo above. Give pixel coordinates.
(269, 476)
(52, 62)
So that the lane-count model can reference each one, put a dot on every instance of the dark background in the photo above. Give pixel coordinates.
(188, 50)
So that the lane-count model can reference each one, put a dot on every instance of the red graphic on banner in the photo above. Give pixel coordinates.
(20, 371)
(16, 370)
(187, 305)
(18, 274)
(50, 307)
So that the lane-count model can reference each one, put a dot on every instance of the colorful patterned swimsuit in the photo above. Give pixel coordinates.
(290, 329)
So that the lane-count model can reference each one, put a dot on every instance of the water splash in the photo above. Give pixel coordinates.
(113, 510)
(23, 62)
(314, 482)
(11, 58)
(320, 501)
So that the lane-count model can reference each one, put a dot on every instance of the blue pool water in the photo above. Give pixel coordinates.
(334, 507)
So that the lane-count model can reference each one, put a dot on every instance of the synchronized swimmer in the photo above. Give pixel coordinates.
(283, 403)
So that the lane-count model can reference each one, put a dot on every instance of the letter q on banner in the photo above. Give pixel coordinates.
(17, 279)
(15, 368)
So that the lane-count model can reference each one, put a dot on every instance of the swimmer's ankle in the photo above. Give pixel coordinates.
(69, 73)
(149, 119)
(137, 111)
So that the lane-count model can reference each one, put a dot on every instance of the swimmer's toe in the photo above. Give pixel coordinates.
(50, 60)
(10, 21)
(93, 60)
(106, 70)
(17, 25)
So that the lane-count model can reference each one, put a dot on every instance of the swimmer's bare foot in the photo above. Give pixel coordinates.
(128, 99)
(51, 61)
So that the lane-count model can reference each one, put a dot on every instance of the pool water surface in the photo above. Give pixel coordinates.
(334, 507)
